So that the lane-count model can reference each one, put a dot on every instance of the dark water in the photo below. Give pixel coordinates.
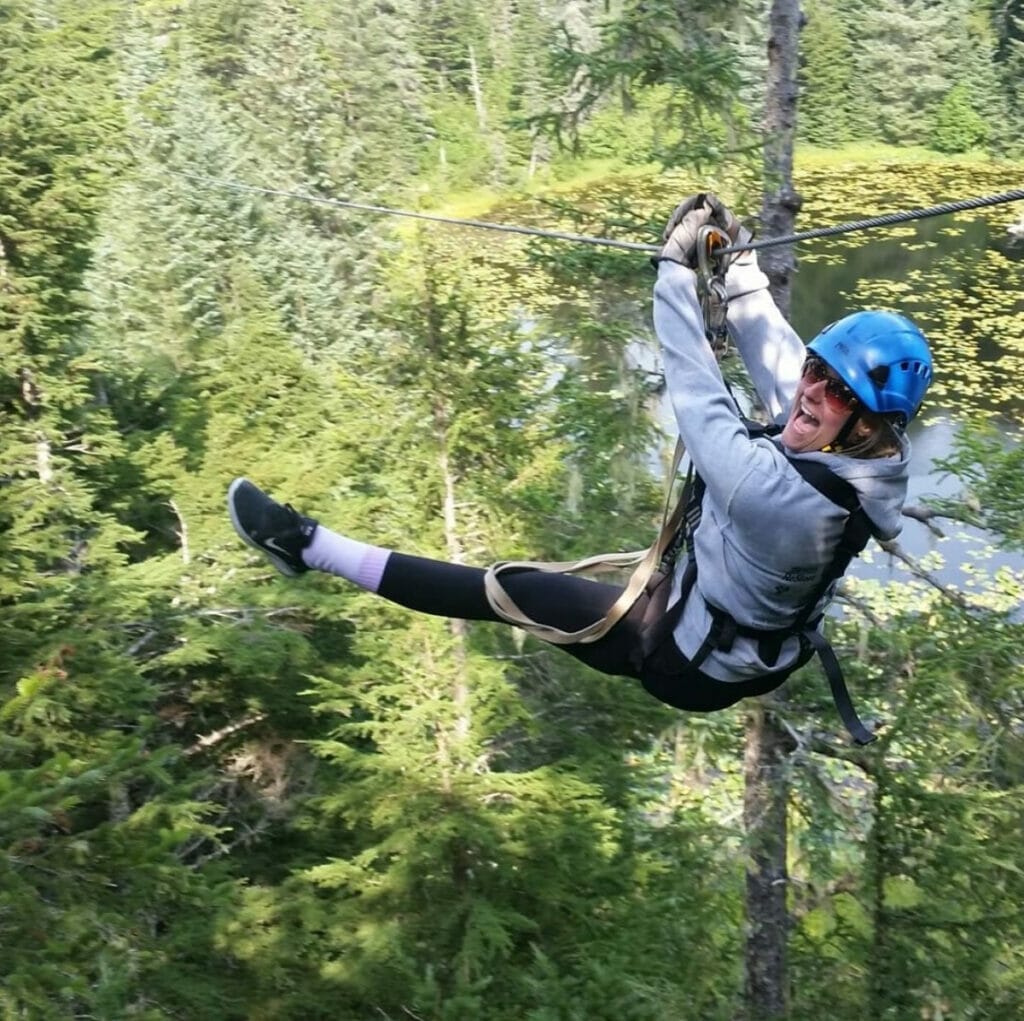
(824, 291)
(961, 277)
(962, 546)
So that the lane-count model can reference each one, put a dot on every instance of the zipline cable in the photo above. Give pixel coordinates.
(435, 218)
(886, 220)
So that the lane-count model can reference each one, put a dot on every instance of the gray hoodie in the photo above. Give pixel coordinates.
(766, 535)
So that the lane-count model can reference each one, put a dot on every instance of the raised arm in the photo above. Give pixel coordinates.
(708, 419)
(768, 345)
(705, 413)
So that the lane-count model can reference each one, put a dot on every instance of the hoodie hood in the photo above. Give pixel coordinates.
(881, 483)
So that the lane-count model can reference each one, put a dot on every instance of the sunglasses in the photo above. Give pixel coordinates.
(838, 395)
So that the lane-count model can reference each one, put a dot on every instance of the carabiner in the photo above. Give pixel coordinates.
(709, 241)
(714, 300)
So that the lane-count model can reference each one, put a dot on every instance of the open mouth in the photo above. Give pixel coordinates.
(804, 416)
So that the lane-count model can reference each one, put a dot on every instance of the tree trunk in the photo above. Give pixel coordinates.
(767, 745)
(781, 200)
(44, 459)
(456, 555)
(765, 801)
(478, 93)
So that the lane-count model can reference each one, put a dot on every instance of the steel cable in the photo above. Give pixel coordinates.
(885, 220)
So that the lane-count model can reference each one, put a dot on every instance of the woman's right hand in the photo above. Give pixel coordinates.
(680, 234)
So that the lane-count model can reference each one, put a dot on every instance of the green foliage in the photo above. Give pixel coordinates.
(958, 128)
(680, 49)
(826, 114)
(1007, 25)
(224, 796)
(908, 888)
(903, 50)
(650, 131)
(989, 469)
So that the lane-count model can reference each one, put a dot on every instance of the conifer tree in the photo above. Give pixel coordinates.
(1008, 19)
(211, 329)
(682, 47)
(902, 58)
(379, 121)
(93, 812)
(826, 78)
(465, 819)
(526, 84)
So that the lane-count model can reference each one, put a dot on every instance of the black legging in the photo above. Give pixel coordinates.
(563, 601)
(569, 603)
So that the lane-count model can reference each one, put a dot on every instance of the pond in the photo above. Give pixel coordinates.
(960, 276)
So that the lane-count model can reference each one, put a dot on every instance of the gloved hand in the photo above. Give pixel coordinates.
(680, 234)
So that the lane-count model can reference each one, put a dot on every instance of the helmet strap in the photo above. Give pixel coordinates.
(847, 428)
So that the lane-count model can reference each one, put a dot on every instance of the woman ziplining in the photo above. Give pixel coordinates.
(772, 517)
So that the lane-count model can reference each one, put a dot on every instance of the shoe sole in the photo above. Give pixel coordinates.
(278, 563)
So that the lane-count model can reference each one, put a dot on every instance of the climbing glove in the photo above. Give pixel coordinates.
(680, 235)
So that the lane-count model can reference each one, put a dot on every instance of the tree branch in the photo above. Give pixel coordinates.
(208, 740)
(137, 646)
(927, 518)
(807, 742)
(893, 548)
(844, 595)
(251, 833)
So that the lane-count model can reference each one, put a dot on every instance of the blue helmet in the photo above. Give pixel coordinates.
(882, 357)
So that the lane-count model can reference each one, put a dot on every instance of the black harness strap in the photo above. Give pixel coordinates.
(840, 693)
(855, 536)
(725, 629)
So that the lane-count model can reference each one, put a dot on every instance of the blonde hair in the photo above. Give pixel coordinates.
(883, 437)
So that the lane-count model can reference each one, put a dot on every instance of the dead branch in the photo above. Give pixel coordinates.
(137, 646)
(844, 595)
(182, 531)
(807, 742)
(927, 518)
(250, 834)
(208, 740)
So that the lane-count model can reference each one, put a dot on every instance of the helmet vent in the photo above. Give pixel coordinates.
(879, 375)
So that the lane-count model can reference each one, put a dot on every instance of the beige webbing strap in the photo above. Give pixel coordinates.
(646, 562)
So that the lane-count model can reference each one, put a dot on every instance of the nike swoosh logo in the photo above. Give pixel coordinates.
(272, 544)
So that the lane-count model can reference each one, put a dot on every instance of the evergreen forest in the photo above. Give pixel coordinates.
(228, 795)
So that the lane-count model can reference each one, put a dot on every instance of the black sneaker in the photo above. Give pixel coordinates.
(279, 532)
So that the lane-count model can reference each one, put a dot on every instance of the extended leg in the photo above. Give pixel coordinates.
(295, 544)
(558, 600)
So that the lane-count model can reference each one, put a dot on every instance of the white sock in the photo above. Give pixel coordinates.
(347, 558)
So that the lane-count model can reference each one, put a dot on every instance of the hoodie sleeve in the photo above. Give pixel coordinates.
(705, 413)
(768, 345)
